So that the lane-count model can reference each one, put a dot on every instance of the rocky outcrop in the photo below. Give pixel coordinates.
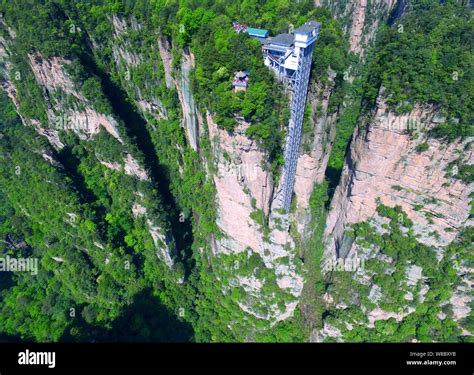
(327, 332)
(244, 192)
(129, 166)
(312, 163)
(379, 314)
(128, 60)
(50, 134)
(160, 242)
(7, 84)
(159, 239)
(51, 76)
(241, 160)
(154, 106)
(132, 168)
(358, 21)
(361, 19)
(243, 187)
(51, 160)
(122, 51)
(187, 101)
(314, 152)
(181, 82)
(165, 54)
(385, 166)
(6, 79)
(119, 24)
(85, 123)
(393, 161)
(366, 17)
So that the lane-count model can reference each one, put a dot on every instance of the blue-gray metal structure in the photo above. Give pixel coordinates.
(293, 138)
(290, 58)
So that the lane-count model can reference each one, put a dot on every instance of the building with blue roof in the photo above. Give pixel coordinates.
(258, 33)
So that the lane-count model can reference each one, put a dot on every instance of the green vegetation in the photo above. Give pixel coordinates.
(424, 58)
(460, 170)
(404, 251)
(422, 147)
(466, 173)
(95, 256)
(90, 264)
(427, 58)
(312, 303)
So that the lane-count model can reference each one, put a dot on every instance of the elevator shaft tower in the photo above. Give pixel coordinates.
(305, 36)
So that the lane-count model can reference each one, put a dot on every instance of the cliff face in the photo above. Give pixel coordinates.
(385, 166)
(314, 152)
(181, 81)
(244, 192)
(361, 19)
(87, 122)
(190, 120)
(239, 171)
(392, 162)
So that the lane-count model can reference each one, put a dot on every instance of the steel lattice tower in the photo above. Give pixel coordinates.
(305, 36)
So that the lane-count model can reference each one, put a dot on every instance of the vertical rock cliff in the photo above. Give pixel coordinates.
(385, 166)
(392, 162)
(361, 19)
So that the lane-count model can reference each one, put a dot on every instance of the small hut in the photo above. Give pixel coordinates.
(241, 81)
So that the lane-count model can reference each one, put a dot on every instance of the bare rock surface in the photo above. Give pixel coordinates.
(385, 167)
(244, 187)
(51, 75)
